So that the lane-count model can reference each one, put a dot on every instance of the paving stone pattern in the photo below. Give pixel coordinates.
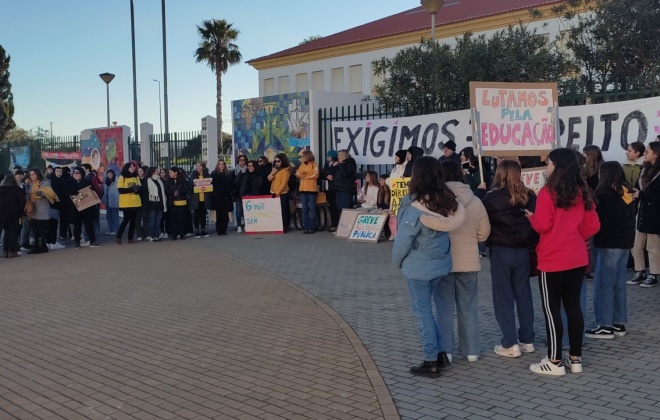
(174, 330)
(621, 378)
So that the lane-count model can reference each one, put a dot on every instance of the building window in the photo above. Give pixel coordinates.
(355, 79)
(317, 80)
(337, 82)
(301, 82)
(269, 87)
(375, 80)
(283, 85)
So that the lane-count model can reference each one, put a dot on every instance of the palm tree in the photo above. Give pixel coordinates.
(217, 49)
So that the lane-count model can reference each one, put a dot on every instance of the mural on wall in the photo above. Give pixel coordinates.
(271, 125)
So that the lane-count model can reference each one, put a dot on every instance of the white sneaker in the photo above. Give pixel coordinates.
(239, 230)
(84, 243)
(513, 351)
(166, 236)
(139, 238)
(473, 357)
(546, 367)
(55, 246)
(148, 238)
(526, 348)
(575, 365)
(188, 235)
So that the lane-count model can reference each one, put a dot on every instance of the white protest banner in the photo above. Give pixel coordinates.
(346, 222)
(202, 185)
(514, 119)
(263, 214)
(534, 178)
(367, 227)
(610, 126)
(397, 192)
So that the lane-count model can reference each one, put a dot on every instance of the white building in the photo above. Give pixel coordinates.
(342, 62)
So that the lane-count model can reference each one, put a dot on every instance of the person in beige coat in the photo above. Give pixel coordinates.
(459, 288)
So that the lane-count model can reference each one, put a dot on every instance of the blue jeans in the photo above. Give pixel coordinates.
(344, 200)
(610, 286)
(459, 290)
(153, 223)
(112, 217)
(421, 294)
(509, 270)
(308, 210)
(239, 212)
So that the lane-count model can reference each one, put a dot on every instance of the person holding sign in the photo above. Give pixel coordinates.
(510, 238)
(84, 217)
(308, 173)
(201, 198)
(565, 219)
(421, 250)
(40, 198)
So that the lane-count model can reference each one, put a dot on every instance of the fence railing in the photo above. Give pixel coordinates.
(10, 151)
(180, 149)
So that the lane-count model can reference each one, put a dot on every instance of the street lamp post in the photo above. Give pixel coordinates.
(160, 110)
(107, 78)
(432, 6)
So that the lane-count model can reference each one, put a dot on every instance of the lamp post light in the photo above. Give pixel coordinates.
(432, 6)
(160, 110)
(107, 78)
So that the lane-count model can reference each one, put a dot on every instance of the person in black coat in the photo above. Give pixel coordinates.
(412, 154)
(648, 219)
(79, 218)
(12, 206)
(327, 175)
(177, 190)
(449, 152)
(612, 244)
(223, 190)
(265, 168)
(344, 180)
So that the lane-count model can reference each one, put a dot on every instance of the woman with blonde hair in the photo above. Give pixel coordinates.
(510, 238)
(593, 158)
(308, 174)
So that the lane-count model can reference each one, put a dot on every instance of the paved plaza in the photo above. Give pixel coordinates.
(277, 326)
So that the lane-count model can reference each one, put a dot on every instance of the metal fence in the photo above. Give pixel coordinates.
(36, 146)
(180, 149)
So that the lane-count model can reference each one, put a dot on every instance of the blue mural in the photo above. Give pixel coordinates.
(271, 125)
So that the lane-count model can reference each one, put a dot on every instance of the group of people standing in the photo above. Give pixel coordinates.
(588, 217)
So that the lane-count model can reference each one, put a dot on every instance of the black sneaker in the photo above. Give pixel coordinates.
(77, 246)
(619, 330)
(427, 368)
(639, 277)
(204, 234)
(443, 361)
(95, 245)
(650, 281)
(600, 332)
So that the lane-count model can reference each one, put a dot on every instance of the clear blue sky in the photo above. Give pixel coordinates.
(59, 47)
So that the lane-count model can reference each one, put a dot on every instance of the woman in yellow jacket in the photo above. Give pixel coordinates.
(128, 186)
(308, 174)
(279, 186)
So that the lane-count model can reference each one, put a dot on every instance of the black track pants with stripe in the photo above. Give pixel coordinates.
(562, 287)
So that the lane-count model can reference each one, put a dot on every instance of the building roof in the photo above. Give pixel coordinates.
(412, 20)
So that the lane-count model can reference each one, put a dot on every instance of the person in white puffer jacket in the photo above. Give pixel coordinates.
(459, 288)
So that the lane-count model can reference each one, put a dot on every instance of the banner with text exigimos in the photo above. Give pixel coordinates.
(515, 119)
(398, 190)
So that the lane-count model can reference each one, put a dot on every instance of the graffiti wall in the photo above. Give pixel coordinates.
(105, 148)
(271, 125)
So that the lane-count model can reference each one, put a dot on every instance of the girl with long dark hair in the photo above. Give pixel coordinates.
(565, 219)
(510, 238)
(156, 204)
(648, 219)
(200, 201)
(128, 186)
(111, 201)
(40, 198)
(612, 243)
(177, 192)
(12, 205)
(421, 249)
(81, 218)
(593, 158)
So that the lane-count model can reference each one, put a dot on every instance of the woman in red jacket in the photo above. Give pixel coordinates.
(565, 219)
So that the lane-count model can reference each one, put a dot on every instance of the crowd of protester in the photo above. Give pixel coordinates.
(590, 218)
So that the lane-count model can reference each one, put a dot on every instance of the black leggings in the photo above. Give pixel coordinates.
(557, 288)
(40, 228)
(86, 220)
(199, 218)
(129, 219)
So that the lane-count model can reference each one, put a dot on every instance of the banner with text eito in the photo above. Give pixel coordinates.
(398, 190)
(262, 214)
(515, 119)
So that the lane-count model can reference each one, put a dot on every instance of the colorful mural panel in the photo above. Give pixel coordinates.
(271, 125)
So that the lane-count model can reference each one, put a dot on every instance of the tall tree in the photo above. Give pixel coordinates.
(217, 48)
(6, 97)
